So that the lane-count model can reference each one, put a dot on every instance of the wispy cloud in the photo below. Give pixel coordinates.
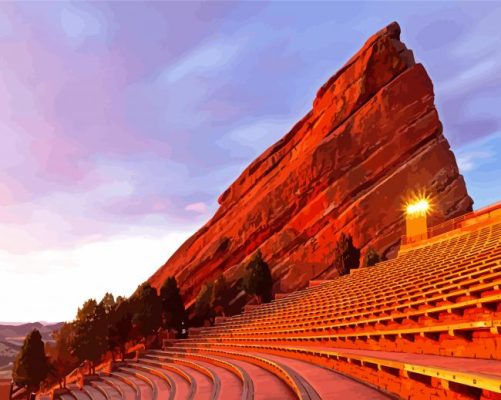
(210, 56)
(126, 118)
(78, 24)
(199, 207)
(468, 161)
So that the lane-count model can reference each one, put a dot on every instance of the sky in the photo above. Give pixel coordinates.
(121, 123)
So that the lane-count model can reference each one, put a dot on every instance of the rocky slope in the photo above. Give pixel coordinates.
(372, 139)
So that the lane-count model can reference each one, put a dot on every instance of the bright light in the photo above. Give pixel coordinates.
(419, 207)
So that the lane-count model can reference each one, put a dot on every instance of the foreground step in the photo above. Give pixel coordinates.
(144, 390)
(147, 387)
(165, 386)
(231, 384)
(93, 393)
(266, 384)
(207, 382)
(107, 390)
(245, 382)
(185, 383)
(77, 393)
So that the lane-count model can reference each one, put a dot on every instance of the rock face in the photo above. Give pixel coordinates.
(372, 139)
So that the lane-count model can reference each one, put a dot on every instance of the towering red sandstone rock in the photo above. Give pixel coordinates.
(372, 138)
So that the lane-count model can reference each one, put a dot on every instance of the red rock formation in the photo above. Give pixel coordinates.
(372, 138)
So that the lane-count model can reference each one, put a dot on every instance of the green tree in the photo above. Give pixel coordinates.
(371, 257)
(203, 309)
(119, 327)
(147, 309)
(31, 366)
(257, 280)
(61, 359)
(173, 309)
(89, 341)
(108, 302)
(219, 296)
(347, 256)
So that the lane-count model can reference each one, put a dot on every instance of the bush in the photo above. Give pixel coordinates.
(257, 280)
(371, 257)
(347, 256)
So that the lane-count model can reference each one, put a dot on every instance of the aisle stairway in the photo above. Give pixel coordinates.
(425, 325)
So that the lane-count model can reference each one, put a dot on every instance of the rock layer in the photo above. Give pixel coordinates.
(372, 139)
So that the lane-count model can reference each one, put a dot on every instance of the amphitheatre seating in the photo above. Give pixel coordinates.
(426, 322)
(425, 325)
(430, 300)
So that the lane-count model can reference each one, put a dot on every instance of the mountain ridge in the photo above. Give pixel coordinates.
(372, 138)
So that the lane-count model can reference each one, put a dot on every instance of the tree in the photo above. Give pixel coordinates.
(119, 327)
(31, 366)
(347, 256)
(203, 302)
(174, 313)
(147, 308)
(219, 296)
(257, 280)
(61, 359)
(108, 302)
(89, 341)
(371, 257)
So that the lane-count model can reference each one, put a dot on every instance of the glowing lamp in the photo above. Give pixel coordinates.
(416, 221)
(420, 207)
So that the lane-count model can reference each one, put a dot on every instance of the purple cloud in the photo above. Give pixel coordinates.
(116, 112)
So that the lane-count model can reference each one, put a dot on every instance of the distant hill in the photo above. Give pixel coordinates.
(14, 330)
(11, 339)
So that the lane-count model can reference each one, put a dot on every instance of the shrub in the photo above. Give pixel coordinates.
(347, 256)
(371, 257)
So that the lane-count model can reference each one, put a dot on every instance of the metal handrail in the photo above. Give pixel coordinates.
(450, 224)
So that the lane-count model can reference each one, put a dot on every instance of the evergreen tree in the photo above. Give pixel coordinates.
(371, 257)
(347, 256)
(61, 360)
(90, 333)
(147, 309)
(108, 302)
(172, 304)
(219, 296)
(257, 280)
(31, 366)
(119, 327)
(203, 302)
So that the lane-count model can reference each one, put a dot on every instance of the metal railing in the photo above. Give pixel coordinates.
(451, 224)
